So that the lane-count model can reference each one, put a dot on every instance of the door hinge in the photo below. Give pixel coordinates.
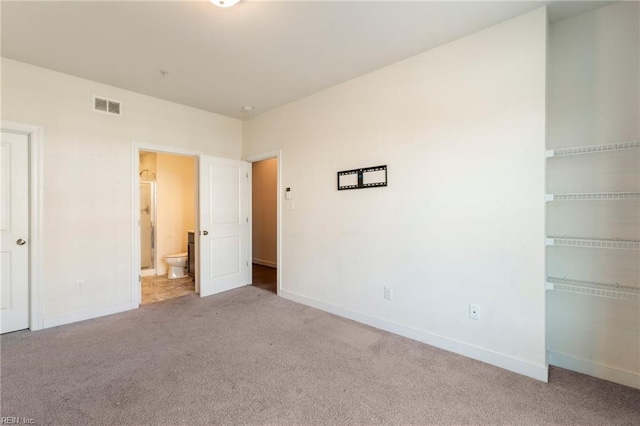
(247, 263)
(139, 278)
(247, 219)
(247, 175)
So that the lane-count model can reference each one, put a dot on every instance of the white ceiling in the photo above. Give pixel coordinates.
(259, 53)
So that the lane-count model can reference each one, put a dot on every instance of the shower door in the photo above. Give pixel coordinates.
(147, 223)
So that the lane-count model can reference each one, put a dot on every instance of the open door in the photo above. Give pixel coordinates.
(224, 224)
(14, 228)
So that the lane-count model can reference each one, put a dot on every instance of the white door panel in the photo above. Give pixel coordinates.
(224, 226)
(5, 264)
(226, 256)
(14, 226)
(225, 193)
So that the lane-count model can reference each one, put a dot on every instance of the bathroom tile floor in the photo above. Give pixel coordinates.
(159, 287)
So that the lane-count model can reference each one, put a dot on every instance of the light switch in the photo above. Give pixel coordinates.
(287, 194)
(288, 205)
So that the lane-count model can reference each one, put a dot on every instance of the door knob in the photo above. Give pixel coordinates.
(21, 242)
(205, 232)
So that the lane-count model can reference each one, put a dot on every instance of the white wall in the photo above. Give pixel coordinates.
(462, 130)
(264, 184)
(88, 178)
(594, 98)
(176, 178)
(593, 77)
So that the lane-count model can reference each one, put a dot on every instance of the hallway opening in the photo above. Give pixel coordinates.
(264, 200)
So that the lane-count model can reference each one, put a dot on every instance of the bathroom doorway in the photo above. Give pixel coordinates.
(264, 206)
(168, 186)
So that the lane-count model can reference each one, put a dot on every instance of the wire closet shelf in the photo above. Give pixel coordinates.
(591, 288)
(592, 149)
(594, 196)
(597, 243)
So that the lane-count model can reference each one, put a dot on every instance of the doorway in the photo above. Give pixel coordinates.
(264, 212)
(167, 218)
(220, 245)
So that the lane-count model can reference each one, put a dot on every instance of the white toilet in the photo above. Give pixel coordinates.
(177, 265)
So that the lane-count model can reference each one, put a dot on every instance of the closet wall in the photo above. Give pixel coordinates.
(593, 266)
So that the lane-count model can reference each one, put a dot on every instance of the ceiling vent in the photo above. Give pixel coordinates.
(106, 105)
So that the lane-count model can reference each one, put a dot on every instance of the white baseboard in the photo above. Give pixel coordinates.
(570, 362)
(147, 272)
(538, 372)
(85, 315)
(267, 263)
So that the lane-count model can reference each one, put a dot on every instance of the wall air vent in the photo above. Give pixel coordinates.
(114, 107)
(105, 105)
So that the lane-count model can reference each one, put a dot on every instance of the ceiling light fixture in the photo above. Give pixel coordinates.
(247, 109)
(224, 3)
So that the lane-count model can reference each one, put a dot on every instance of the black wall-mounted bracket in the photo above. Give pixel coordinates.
(369, 177)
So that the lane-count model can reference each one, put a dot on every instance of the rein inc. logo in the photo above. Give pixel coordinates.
(15, 420)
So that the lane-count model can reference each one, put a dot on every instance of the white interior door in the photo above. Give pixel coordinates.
(14, 225)
(224, 224)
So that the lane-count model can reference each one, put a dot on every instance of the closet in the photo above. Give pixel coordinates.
(593, 194)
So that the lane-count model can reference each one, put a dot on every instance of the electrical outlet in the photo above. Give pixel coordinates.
(474, 311)
(79, 286)
(388, 293)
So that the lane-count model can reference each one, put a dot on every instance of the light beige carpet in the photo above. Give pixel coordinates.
(248, 356)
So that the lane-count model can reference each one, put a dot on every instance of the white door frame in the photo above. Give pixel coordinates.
(252, 159)
(35, 135)
(136, 147)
